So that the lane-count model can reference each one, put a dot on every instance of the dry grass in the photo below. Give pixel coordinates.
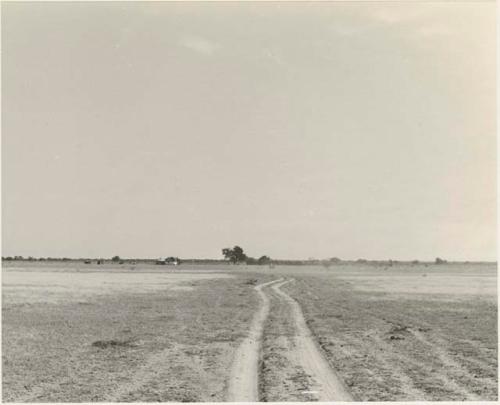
(281, 378)
(161, 345)
(419, 346)
(399, 333)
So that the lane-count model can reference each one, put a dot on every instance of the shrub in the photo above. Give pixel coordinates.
(264, 260)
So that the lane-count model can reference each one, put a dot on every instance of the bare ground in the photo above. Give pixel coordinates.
(165, 345)
(380, 334)
(293, 369)
(243, 379)
(413, 348)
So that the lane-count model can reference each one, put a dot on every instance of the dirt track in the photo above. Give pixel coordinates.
(323, 383)
(243, 381)
(326, 384)
(179, 345)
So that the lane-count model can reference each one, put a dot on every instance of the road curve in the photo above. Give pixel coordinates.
(328, 386)
(243, 380)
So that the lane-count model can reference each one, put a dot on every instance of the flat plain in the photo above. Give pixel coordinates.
(127, 333)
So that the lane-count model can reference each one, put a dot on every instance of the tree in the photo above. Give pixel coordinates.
(264, 260)
(116, 259)
(251, 260)
(440, 261)
(234, 255)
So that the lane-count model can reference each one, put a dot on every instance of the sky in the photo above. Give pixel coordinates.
(295, 130)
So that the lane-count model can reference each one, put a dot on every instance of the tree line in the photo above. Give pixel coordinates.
(237, 255)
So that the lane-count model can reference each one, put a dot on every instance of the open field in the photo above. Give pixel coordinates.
(74, 332)
(130, 335)
(431, 335)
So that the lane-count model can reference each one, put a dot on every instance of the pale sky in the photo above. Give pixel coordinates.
(296, 130)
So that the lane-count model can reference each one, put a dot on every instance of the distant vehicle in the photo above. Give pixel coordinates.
(172, 261)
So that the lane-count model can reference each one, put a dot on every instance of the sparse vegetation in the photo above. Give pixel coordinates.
(237, 255)
(429, 339)
(104, 344)
(263, 260)
(234, 255)
(427, 346)
(127, 346)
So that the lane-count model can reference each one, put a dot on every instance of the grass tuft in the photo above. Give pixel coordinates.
(106, 344)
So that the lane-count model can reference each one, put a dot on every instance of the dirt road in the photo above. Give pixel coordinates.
(243, 380)
(326, 385)
(323, 383)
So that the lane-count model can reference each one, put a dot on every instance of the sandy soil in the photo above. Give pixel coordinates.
(243, 380)
(149, 345)
(51, 285)
(325, 385)
(293, 367)
(425, 345)
(192, 334)
(321, 382)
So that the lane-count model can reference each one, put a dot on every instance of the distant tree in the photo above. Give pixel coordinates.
(335, 260)
(264, 260)
(9, 258)
(440, 261)
(116, 259)
(251, 260)
(234, 255)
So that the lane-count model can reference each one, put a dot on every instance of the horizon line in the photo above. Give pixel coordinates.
(331, 259)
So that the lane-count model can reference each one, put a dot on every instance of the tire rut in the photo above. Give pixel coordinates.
(328, 385)
(243, 385)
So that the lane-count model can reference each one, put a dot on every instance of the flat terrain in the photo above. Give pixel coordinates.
(143, 334)
(421, 333)
(80, 333)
